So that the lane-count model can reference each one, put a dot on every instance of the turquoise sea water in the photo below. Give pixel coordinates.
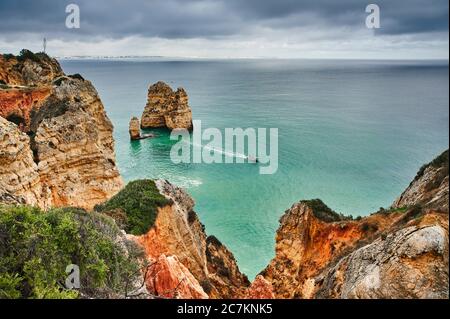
(353, 133)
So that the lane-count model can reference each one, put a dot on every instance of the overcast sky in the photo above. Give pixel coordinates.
(229, 28)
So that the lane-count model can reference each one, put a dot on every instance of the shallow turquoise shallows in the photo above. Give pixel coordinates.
(353, 133)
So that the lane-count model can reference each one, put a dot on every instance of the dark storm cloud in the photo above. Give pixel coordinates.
(215, 18)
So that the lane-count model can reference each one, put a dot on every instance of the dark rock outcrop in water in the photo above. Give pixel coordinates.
(401, 252)
(61, 153)
(166, 108)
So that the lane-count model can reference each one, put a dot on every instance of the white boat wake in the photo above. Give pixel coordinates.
(220, 151)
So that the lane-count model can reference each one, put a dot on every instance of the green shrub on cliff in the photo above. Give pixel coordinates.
(323, 212)
(36, 247)
(8, 56)
(139, 200)
(76, 76)
(28, 55)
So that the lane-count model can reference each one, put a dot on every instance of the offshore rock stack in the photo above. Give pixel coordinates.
(135, 129)
(166, 108)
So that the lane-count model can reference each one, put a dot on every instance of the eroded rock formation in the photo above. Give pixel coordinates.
(397, 253)
(68, 157)
(17, 104)
(135, 129)
(19, 177)
(29, 69)
(430, 187)
(178, 232)
(167, 277)
(166, 108)
(411, 262)
(260, 289)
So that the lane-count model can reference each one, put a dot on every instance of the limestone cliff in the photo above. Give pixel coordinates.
(135, 129)
(430, 187)
(260, 289)
(19, 177)
(401, 252)
(18, 103)
(224, 273)
(166, 108)
(411, 262)
(167, 277)
(307, 240)
(66, 157)
(29, 69)
(178, 232)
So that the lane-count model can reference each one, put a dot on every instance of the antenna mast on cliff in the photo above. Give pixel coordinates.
(45, 45)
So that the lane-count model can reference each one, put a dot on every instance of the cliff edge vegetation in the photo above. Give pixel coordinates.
(36, 247)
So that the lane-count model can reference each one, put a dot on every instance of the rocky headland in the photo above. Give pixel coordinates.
(58, 178)
(56, 144)
(400, 252)
(186, 263)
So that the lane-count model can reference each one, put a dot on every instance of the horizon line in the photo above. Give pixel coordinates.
(124, 57)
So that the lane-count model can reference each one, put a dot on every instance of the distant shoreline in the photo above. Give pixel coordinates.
(112, 58)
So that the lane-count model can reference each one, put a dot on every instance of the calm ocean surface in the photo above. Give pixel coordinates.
(353, 133)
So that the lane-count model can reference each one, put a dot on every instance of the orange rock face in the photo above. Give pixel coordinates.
(168, 278)
(260, 289)
(17, 104)
(400, 252)
(70, 151)
(173, 235)
(178, 232)
(305, 244)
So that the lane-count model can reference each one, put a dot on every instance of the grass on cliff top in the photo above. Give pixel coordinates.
(139, 200)
(36, 247)
(324, 213)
